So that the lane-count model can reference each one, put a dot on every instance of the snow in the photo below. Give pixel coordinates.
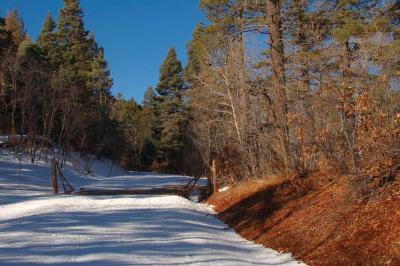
(5, 139)
(223, 189)
(39, 228)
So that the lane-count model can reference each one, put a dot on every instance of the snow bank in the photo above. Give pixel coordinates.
(98, 204)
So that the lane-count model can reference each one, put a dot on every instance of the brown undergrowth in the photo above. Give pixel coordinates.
(320, 219)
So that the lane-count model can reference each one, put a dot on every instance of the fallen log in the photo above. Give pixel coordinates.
(167, 190)
(145, 191)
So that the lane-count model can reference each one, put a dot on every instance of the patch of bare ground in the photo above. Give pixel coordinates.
(319, 219)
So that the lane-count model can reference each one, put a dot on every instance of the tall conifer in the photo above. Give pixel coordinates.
(72, 38)
(170, 88)
(47, 41)
(100, 81)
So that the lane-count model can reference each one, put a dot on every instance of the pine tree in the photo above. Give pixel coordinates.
(151, 117)
(127, 113)
(149, 125)
(170, 83)
(74, 76)
(70, 24)
(24, 46)
(170, 88)
(230, 20)
(72, 38)
(149, 97)
(48, 28)
(4, 35)
(100, 81)
(47, 40)
(197, 55)
(228, 17)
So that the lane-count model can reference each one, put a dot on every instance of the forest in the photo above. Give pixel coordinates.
(287, 113)
(271, 87)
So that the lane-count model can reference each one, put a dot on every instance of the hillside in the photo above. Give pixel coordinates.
(324, 225)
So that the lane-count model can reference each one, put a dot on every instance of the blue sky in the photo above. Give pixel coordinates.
(136, 34)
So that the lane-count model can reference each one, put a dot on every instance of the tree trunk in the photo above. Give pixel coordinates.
(278, 75)
(276, 43)
(214, 176)
(242, 44)
(54, 183)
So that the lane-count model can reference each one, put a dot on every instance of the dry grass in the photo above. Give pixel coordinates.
(323, 225)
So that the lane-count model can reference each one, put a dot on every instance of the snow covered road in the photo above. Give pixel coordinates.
(44, 229)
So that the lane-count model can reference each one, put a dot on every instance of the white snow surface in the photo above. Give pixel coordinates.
(223, 189)
(39, 228)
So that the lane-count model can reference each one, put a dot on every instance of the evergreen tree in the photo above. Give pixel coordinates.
(47, 29)
(149, 97)
(24, 46)
(127, 113)
(170, 88)
(230, 20)
(197, 54)
(70, 25)
(100, 81)
(72, 38)
(229, 17)
(170, 83)
(149, 126)
(48, 42)
(4, 35)
(77, 74)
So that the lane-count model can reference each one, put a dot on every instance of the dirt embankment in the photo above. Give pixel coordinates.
(321, 222)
